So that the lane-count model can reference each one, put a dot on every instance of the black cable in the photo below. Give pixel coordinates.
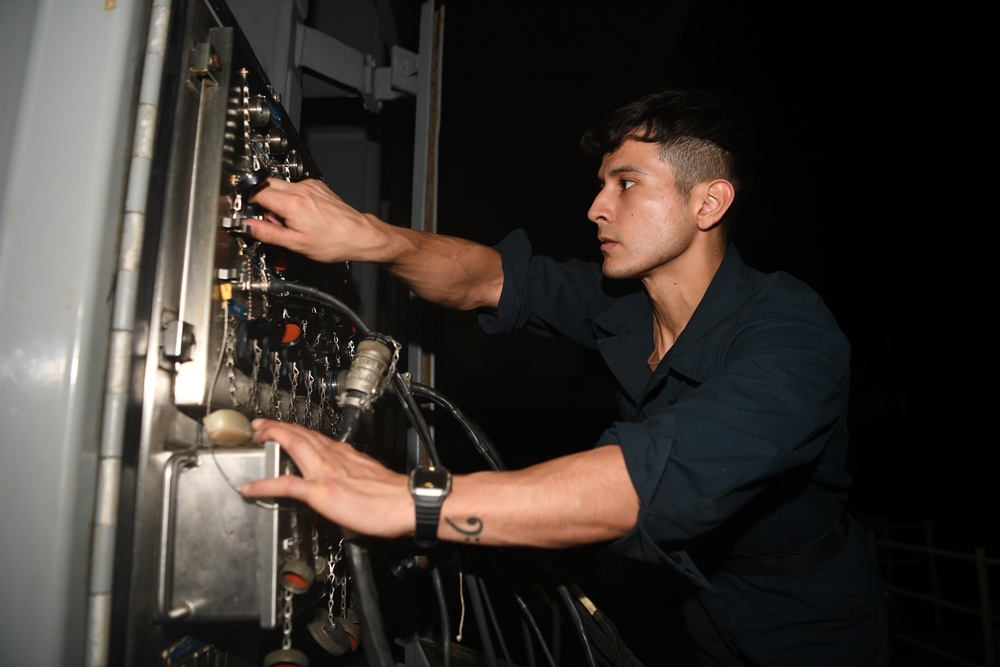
(528, 643)
(370, 614)
(416, 417)
(350, 424)
(372, 629)
(472, 430)
(530, 619)
(283, 287)
(484, 631)
(495, 620)
(445, 620)
(556, 631)
(574, 612)
(574, 615)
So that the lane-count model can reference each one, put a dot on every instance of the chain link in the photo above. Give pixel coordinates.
(246, 113)
(275, 398)
(314, 539)
(391, 371)
(254, 377)
(294, 541)
(230, 355)
(310, 383)
(286, 622)
(324, 399)
(331, 579)
(292, 550)
(293, 395)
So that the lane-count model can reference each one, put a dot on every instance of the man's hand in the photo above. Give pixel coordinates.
(346, 486)
(310, 219)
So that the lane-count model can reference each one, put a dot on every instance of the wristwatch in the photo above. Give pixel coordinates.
(429, 486)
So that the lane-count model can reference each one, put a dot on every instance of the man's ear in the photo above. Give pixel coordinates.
(715, 197)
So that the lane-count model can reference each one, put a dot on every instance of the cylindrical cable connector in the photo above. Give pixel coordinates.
(368, 376)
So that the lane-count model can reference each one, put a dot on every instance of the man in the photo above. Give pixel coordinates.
(728, 461)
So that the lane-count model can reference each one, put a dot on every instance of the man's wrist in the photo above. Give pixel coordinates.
(429, 486)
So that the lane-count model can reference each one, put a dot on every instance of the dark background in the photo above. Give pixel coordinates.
(867, 189)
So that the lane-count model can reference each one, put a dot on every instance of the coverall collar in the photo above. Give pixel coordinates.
(628, 324)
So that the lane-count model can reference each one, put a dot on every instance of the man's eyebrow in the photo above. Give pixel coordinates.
(626, 169)
(623, 169)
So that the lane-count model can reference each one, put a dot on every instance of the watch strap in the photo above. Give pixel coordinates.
(428, 516)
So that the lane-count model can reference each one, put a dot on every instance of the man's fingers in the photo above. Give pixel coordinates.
(272, 429)
(305, 447)
(297, 442)
(265, 231)
(286, 486)
(278, 183)
(275, 195)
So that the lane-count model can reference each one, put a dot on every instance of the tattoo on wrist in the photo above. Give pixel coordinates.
(471, 533)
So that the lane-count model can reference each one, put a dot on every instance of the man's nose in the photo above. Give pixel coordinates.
(598, 211)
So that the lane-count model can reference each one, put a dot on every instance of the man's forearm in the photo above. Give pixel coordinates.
(573, 500)
(309, 218)
(445, 270)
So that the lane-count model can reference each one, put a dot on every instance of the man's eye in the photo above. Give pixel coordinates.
(626, 183)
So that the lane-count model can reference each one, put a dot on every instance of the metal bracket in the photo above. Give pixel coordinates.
(204, 61)
(178, 339)
(331, 58)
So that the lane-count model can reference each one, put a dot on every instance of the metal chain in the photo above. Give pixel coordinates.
(391, 371)
(246, 113)
(247, 137)
(335, 340)
(310, 383)
(275, 399)
(314, 539)
(292, 549)
(293, 524)
(264, 277)
(254, 377)
(286, 624)
(324, 399)
(230, 354)
(331, 578)
(294, 376)
(343, 595)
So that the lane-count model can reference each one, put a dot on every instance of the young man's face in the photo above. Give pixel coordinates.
(642, 221)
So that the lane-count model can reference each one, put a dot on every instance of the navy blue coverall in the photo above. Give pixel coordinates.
(736, 445)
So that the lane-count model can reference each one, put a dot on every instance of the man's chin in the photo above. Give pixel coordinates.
(614, 272)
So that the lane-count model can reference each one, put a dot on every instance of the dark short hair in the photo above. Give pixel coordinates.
(702, 134)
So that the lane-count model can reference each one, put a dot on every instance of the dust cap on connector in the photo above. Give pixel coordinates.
(227, 427)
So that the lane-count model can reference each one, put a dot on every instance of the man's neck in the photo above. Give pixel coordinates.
(675, 290)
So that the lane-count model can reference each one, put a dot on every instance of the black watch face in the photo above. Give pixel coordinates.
(429, 478)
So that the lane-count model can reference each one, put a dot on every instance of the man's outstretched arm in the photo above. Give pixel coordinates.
(582, 498)
(309, 218)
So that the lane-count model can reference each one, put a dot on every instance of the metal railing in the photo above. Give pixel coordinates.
(940, 600)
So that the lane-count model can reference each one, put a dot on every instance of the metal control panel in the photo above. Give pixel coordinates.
(230, 345)
(204, 560)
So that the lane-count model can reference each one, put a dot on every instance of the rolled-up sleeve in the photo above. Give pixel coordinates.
(512, 312)
(545, 296)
